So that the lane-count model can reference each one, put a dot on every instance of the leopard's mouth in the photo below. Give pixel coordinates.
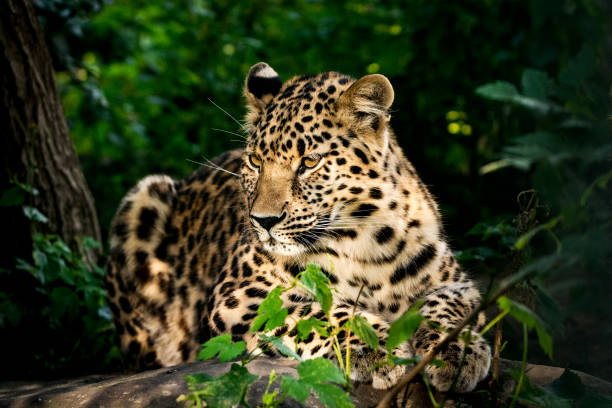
(277, 247)
(298, 242)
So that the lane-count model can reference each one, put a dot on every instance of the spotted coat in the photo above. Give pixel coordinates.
(320, 180)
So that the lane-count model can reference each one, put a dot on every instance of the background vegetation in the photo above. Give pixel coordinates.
(501, 105)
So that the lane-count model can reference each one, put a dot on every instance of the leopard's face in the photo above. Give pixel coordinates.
(304, 170)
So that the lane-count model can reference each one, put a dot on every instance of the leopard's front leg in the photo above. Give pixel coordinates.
(469, 363)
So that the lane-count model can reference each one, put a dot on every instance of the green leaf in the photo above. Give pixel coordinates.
(404, 327)
(526, 237)
(317, 283)
(223, 346)
(580, 67)
(524, 315)
(601, 182)
(437, 363)
(535, 83)
(90, 243)
(405, 361)
(67, 275)
(305, 326)
(282, 348)
(34, 215)
(506, 92)
(295, 388)
(332, 396)
(194, 380)
(318, 370)
(520, 163)
(26, 187)
(226, 391)
(14, 196)
(232, 351)
(270, 312)
(569, 385)
(62, 301)
(364, 331)
(498, 91)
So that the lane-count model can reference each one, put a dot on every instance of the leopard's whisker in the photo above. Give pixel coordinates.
(226, 112)
(242, 137)
(214, 166)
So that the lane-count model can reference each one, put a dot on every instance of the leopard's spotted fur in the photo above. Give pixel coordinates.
(321, 180)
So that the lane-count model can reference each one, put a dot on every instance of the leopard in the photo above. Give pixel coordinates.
(321, 180)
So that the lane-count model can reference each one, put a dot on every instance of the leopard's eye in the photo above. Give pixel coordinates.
(254, 161)
(311, 161)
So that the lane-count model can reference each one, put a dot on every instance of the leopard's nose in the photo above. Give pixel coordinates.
(268, 222)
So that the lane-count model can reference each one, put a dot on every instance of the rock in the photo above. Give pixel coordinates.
(160, 388)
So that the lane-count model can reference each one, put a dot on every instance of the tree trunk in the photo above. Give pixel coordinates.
(36, 144)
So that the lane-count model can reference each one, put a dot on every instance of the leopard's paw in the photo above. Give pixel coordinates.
(373, 366)
(468, 374)
(386, 377)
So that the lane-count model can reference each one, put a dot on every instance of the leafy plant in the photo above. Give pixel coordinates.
(321, 376)
(328, 381)
(63, 303)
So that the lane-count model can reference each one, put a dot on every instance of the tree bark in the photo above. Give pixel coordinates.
(36, 144)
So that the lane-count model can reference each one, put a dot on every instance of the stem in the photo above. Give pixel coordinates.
(429, 392)
(505, 285)
(497, 350)
(348, 357)
(251, 357)
(336, 347)
(523, 366)
(492, 322)
(348, 335)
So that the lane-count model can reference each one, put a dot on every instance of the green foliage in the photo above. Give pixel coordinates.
(223, 346)
(136, 76)
(317, 375)
(317, 284)
(319, 370)
(270, 312)
(71, 313)
(226, 391)
(360, 327)
(404, 327)
(566, 391)
(294, 388)
(559, 138)
(278, 344)
(305, 326)
(524, 315)
(517, 100)
(313, 375)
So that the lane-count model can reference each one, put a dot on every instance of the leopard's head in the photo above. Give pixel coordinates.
(315, 155)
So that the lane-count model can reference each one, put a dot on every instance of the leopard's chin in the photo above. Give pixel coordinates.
(275, 247)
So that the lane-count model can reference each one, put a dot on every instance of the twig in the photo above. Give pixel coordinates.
(496, 349)
(427, 358)
(523, 366)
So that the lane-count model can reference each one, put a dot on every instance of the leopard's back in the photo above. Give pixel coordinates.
(322, 179)
(169, 241)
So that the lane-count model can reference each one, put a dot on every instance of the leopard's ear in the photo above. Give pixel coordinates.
(262, 84)
(364, 106)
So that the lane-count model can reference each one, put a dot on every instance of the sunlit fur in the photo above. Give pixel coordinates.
(322, 180)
